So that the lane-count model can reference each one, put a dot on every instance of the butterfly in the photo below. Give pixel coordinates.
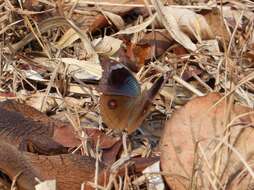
(123, 106)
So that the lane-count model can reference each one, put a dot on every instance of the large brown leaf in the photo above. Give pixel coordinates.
(200, 150)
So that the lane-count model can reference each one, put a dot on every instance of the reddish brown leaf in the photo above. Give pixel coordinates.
(192, 140)
(105, 141)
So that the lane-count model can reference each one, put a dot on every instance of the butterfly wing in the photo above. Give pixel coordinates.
(118, 80)
(122, 105)
(123, 112)
(116, 110)
(155, 88)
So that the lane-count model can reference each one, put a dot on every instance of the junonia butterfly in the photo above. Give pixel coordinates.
(122, 104)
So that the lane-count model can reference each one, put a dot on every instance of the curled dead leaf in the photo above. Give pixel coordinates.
(191, 23)
(115, 19)
(170, 23)
(107, 45)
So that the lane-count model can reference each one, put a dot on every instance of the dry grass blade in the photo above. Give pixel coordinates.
(43, 27)
(86, 42)
(67, 39)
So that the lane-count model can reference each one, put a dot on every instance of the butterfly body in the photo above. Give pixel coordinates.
(122, 104)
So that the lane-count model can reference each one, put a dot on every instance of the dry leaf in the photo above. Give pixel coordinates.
(211, 46)
(78, 89)
(170, 23)
(36, 99)
(91, 54)
(197, 144)
(157, 41)
(105, 141)
(107, 45)
(109, 145)
(46, 185)
(83, 69)
(137, 28)
(115, 19)
(217, 25)
(33, 75)
(155, 181)
(67, 39)
(191, 23)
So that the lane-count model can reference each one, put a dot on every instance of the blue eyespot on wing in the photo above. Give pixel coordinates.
(118, 80)
(123, 82)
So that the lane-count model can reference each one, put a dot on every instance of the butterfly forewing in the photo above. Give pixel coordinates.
(118, 80)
